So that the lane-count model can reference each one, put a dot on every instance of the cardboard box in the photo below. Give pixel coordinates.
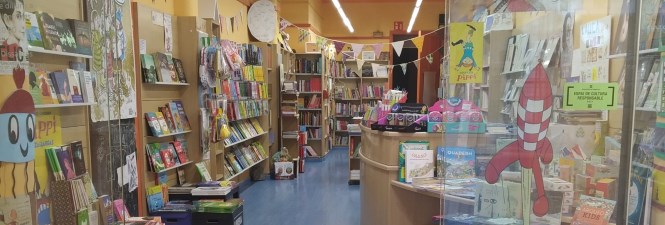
(606, 188)
(600, 171)
(556, 184)
(565, 173)
(569, 194)
(585, 183)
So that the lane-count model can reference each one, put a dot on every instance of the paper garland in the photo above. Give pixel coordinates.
(377, 49)
(360, 63)
(397, 46)
(403, 65)
(339, 46)
(357, 48)
(418, 42)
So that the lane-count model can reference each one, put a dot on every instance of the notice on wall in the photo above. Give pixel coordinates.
(590, 96)
(466, 53)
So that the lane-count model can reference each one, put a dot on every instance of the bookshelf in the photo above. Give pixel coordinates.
(152, 96)
(494, 63)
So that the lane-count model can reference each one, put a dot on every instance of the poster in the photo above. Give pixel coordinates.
(49, 134)
(594, 50)
(168, 34)
(16, 211)
(13, 40)
(466, 53)
(112, 63)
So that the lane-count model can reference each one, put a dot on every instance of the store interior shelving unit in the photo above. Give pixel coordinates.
(154, 95)
(309, 73)
(288, 100)
(493, 65)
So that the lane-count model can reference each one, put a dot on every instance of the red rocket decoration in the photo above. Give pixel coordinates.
(533, 118)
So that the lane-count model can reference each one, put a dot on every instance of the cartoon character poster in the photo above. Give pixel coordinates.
(466, 53)
(13, 40)
(48, 134)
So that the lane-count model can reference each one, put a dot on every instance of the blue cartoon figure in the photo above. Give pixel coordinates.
(467, 60)
(17, 140)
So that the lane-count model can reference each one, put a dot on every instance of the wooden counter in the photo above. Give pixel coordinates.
(383, 202)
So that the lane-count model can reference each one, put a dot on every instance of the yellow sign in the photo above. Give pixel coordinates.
(466, 53)
(48, 134)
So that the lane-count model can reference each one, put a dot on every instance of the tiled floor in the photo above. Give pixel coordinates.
(320, 196)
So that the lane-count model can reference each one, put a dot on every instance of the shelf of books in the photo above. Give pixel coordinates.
(167, 102)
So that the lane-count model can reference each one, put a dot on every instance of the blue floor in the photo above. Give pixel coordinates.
(320, 196)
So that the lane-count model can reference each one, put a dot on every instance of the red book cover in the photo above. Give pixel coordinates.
(182, 155)
(167, 157)
(169, 117)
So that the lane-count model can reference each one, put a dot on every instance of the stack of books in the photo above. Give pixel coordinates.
(241, 158)
(170, 118)
(67, 162)
(244, 129)
(166, 155)
(162, 67)
(70, 86)
(238, 110)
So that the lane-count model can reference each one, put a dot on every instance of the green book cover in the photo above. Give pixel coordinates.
(82, 217)
(148, 68)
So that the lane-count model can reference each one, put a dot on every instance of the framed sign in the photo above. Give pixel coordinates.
(312, 47)
(368, 55)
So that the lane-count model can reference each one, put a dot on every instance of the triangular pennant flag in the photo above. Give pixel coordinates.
(418, 42)
(283, 24)
(301, 36)
(416, 63)
(430, 58)
(215, 13)
(377, 49)
(375, 67)
(403, 65)
(397, 46)
(360, 64)
(338, 46)
(357, 48)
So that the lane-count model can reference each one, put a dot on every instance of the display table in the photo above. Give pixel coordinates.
(381, 201)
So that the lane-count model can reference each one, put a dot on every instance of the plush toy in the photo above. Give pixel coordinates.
(532, 145)
(17, 140)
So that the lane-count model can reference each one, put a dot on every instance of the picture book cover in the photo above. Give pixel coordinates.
(16, 211)
(621, 33)
(155, 198)
(177, 118)
(164, 65)
(61, 83)
(466, 52)
(89, 188)
(182, 155)
(82, 36)
(47, 28)
(168, 117)
(162, 123)
(148, 68)
(82, 217)
(401, 159)
(639, 181)
(41, 82)
(203, 171)
(86, 83)
(180, 71)
(106, 210)
(593, 211)
(78, 157)
(418, 164)
(74, 86)
(167, 157)
(65, 161)
(183, 116)
(32, 30)
(65, 34)
(156, 157)
(155, 127)
(121, 212)
(34, 87)
(459, 162)
(498, 200)
(174, 154)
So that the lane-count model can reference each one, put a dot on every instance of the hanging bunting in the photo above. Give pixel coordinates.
(283, 24)
(338, 46)
(418, 42)
(430, 58)
(375, 68)
(403, 65)
(357, 48)
(416, 63)
(360, 63)
(301, 37)
(397, 46)
(377, 49)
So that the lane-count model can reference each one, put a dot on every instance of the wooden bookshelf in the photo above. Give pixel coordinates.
(305, 76)
(494, 61)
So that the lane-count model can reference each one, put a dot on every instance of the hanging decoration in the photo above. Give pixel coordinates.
(416, 63)
(377, 49)
(357, 48)
(283, 24)
(430, 58)
(418, 42)
(403, 65)
(375, 67)
(397, 46)
(338, 46)
(360, 63)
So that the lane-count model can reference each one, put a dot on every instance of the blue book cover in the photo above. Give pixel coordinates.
(459, 162)
(639, 181)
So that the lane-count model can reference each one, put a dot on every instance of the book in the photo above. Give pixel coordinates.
(621, 33)
(82, 35)
(165, 70)
(105, 210)
(65, 160)
(175, 113)
(168, 117)
(89, 188)
(120, 210)
(62, 86)
(182, 155)
(67, 40)
(183, 116)
(86, 84)
(418, 164)
(78, 158)
(180, 71)
(34, 87)
(174, 153)
(497, 200)
(47, 28)
(459, 162)
(404, 146)
(162, 123)
(148, 69)
(82, 217)
(74, 86)
(32, 31)
(42, 81)
(155, 198)
(649, 16)
(639, 180)
(156, 157)
(181, 176)
(51, 155)
(203, 171)
(167, 157)
(593, 211)
(155, 127)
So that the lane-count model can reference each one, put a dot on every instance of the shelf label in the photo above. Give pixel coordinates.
(590, 96)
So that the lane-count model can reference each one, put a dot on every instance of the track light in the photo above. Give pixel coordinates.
(345, 19)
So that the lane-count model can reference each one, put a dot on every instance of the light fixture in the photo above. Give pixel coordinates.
(414, 15)
(345, 19)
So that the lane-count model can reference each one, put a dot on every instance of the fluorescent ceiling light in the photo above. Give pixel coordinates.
(414, 15)
(345, 19)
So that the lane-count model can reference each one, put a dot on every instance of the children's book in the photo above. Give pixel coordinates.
(121, 212)
(418, 164)
(149, 70)
(74, 86)
(459, 162)
(106, 210)
(155, 198)
(182, 155)
(82, 35)
(82, 217)
(65, 34)
(177, 118)
(404, 146)
(65, 161)
(78, 157)
(34, 87)
(180, 71)
(155, 155)
(203, 171)
(167, 157)
(86, 84)
(165, 70)
(183, 116)
(162, 123)
(155, 127)
(61, 83)
(32, 30)
(174, 153)
(47, 28)
(593, 211)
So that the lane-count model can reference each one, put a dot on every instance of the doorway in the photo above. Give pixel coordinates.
(405, 81)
